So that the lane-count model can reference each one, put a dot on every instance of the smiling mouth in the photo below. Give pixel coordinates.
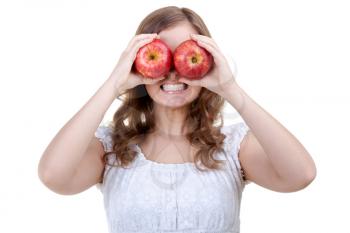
(174, 88)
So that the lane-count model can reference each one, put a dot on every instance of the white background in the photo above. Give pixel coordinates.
(292, 57)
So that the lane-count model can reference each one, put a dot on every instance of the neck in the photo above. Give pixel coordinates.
(170, 121)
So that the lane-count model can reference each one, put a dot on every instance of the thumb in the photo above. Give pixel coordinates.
(190, 82)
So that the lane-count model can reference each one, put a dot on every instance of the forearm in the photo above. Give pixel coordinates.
(289, 157)
(62, 156)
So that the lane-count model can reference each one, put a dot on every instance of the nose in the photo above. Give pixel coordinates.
(172, 75)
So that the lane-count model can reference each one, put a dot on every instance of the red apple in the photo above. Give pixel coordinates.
(192, 61)
(154, 59)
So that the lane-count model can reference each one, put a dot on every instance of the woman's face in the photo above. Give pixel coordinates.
(173, 37)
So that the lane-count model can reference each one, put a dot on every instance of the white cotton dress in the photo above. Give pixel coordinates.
(151, 197)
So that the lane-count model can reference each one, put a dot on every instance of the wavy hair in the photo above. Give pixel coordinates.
(134, 119)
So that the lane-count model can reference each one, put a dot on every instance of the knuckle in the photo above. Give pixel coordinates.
(142, 36)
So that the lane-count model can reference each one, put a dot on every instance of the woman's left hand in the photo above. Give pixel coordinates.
(220, 78)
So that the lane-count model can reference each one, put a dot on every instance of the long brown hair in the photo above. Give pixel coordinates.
(134, 118)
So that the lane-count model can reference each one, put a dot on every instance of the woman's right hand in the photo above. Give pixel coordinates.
(123, 76)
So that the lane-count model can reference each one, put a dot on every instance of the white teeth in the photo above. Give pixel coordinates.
(174, 87)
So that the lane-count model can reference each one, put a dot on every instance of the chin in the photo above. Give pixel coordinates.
(172, 94)
(173, 104)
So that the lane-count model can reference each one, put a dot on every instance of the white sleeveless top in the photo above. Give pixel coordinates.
(151, 197)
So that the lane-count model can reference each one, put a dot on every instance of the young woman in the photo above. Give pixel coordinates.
(166, 162)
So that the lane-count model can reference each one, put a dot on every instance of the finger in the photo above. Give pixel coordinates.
(137, 79)
(218, 57)
(143, 36)
(135, 48)
(130, 54)
(140, 37)
(151, 81)
(190, 82)
(207, 39)
(135, 40)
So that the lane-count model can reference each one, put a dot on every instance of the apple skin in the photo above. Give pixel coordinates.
(191, 60)
(154, 59)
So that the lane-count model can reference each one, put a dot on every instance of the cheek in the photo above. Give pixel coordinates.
(152, 90)
(195, 92)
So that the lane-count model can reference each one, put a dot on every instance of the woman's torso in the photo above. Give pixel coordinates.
(155, 195)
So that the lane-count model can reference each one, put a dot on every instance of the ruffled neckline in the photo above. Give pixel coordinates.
(159, 164)
(178, 166)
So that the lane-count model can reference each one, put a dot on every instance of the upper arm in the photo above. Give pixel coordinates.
(257, 165)
(89, 171)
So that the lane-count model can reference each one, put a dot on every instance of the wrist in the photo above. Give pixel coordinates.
(115, 86)
(234, 94)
